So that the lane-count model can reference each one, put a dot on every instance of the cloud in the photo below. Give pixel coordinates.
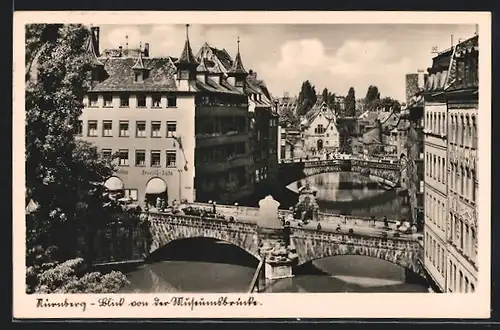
(355, 63)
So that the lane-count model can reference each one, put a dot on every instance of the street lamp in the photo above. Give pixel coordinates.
(180, 182)
(236, 204)
(214, 210)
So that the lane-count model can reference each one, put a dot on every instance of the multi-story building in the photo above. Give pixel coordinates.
(180, 126)
(262, 114)
(462, 222)
(435, 182)
(320, 129)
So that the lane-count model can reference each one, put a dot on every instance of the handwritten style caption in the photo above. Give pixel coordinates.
(176, 302)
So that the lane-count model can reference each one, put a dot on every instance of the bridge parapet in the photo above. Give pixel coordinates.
(311, 245)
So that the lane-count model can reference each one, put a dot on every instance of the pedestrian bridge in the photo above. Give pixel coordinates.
(282, 247)
(388, 174)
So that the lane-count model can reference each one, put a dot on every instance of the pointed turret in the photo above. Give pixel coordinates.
(92, 48)
(186, 65)
(140, 70)
(237, 73)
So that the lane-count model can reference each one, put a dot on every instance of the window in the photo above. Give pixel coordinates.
(141, 101)
(79, 128)
(156, 158)
(106, 153)
(421, 186)
(171, 101)
(123, 158)
(155, 129)
(473, 188)
(124, 129)
(92, 128)
(107, 128)
(171, 128)
(156, 101)
(171, 158)
(108, 100)
(124, 100)
(93, 100)
(183, 74)
(132, 194)
(140, 128)
(140, 158)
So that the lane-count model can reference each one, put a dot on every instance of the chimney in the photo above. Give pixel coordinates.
(146, 49)
(421, 80)
(95, 38)
(476, 31)
(121, 51)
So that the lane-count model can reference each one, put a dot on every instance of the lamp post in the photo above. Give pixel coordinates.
(214, 210)
(180, 182)
(236, 204)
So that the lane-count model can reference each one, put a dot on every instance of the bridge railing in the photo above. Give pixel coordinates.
(400, 243)
(250, 215)
(190, 220)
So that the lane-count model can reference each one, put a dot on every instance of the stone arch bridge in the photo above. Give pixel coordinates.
(286, 247)
(384, 172)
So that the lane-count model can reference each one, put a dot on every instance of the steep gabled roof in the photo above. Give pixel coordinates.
(90, 48)
(120, 75)
(139, 64)
(462, 49)
(187, 56)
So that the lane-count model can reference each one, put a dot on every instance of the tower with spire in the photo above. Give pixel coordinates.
(237, 74)
(186, 66)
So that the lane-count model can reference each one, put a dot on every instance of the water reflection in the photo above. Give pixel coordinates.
(352, 193)
(208, 266)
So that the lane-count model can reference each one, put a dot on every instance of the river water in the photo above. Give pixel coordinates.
(206, 265)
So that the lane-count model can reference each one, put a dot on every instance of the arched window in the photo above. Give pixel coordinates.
(439, 169)
(464, 131)
(472, 288)
(473, 243)
(462, 179)
(450, 282)
(466, 284)
(469, 133)
(474, 133)
(457, 130)
(461, 281)
(439, 123)
(473, 184)
(467, 181)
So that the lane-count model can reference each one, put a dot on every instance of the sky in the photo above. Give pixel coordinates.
(335, 56)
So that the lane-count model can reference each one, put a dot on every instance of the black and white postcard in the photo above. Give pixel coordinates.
(251, 164)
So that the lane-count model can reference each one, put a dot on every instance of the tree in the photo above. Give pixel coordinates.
(350, 103)
(325, 95)
(372, 95)
(63, 176)
(389, 104)
(307, 98)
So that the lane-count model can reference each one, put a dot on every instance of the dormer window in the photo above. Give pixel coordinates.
(138, 76)
(239, 83)
(183, 74)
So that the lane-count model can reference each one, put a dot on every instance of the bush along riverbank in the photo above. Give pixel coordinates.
(45, 274)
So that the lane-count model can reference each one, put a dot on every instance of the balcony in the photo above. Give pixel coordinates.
(214, 139)
(222, 166)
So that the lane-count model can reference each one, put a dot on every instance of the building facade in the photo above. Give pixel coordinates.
(320, 129)
(450, 147)
(462, 102)
(435, 154)
(179, 126)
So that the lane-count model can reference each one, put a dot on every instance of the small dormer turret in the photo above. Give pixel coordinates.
(186, 65)
(237, 74)
(140, 71)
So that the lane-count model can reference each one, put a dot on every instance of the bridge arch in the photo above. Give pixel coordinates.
(164, 232)
(310, 249)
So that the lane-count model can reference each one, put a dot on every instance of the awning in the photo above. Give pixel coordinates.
(156, 186)
(114, 184)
